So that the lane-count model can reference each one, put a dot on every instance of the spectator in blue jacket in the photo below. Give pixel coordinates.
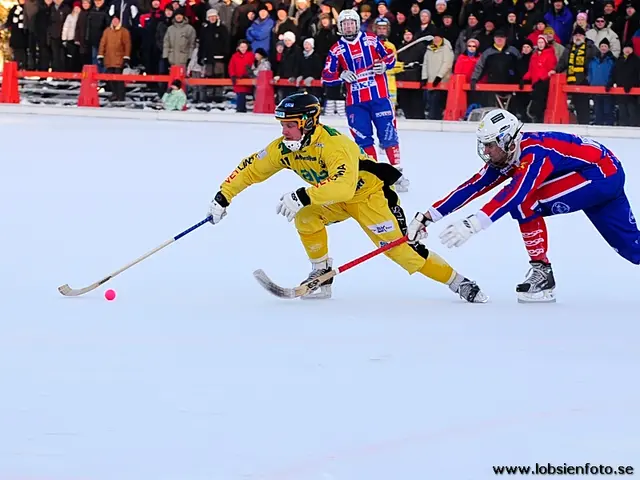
(560, 19)
(600, 70)
(260, 31)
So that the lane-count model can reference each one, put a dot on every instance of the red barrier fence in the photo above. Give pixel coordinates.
(456, 106)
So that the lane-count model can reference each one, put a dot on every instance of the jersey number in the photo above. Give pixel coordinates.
(313, 176)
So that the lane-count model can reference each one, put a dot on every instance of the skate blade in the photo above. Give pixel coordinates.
(317, 295)
(539, 297)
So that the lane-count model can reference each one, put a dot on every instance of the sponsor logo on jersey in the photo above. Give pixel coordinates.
(262, 154)
(559, 208)
(308, 158)
(384, 227)
(386, 113)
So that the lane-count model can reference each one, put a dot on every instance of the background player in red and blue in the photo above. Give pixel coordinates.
(360, 60)
(552, 173)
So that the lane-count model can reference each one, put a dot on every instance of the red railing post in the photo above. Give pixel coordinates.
(264, 101)
(89, 87)
(10, 92)
(456, 98)
(557, 110)
(177, 72)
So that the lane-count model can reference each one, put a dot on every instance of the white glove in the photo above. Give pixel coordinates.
(291, 203)
(458, 233)
(348, 76)
(379, 67)
(216, 208)
(417, 229)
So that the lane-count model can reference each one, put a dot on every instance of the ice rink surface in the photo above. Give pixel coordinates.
(195, 372)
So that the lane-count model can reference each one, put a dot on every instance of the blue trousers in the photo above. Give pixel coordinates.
(362, 116)
(603, 201)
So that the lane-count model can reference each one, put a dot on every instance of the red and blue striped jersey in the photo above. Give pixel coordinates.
(543, 156)
(358, 56)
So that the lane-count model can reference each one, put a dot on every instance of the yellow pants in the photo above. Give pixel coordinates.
(382, 219)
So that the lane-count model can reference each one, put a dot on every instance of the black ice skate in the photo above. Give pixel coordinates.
(468, 290)
(322, 291)
(538, 286)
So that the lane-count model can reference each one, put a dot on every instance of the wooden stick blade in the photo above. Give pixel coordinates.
(273, 288)
(67, 291)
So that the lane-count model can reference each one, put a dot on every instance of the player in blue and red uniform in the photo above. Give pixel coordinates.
(360, 60)
(551, 173)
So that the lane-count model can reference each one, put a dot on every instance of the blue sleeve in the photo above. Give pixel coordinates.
(330, 73)
(532, 172)
(480, 183)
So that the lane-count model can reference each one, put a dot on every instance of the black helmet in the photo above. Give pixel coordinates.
(303, 108)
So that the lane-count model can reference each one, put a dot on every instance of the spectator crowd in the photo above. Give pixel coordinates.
(517, 42)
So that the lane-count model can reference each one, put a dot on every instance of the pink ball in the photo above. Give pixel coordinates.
(110, 295)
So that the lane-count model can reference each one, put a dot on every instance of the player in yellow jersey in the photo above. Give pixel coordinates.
(345, 183)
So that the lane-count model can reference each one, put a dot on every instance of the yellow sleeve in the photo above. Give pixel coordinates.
(343, 166)
(255, 168)
(399, 66)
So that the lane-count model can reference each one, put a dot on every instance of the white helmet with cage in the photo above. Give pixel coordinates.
(499, 136)
(349, 31)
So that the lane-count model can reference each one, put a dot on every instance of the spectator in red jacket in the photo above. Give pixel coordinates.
(241, 66)
(466, 64)
(543, 61)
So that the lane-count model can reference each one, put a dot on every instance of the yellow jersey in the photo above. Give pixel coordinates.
(337, 169)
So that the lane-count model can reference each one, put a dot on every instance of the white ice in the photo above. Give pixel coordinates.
(195, 372)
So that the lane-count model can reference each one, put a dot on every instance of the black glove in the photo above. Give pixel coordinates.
(125, 63)
(627, 88)
(436, 81)
(233, 81)
(423, 83)
(521, 84)
(607, 88)
(473, 84)
(101, 62)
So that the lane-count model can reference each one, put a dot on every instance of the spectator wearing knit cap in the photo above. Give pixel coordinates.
(215, 44)
(179, 41)
(283, 24)
(310, 68)
(575, 62)
(499, 63)
(260, 31)
(426, 26)
(366, 18)
(472, 30)
(600, 31)
(554, 41)
(600, 74)
(289, 66)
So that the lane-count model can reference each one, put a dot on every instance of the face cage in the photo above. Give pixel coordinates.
(382, 31)
(349, 22)
(306, 124)
(487, 159)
